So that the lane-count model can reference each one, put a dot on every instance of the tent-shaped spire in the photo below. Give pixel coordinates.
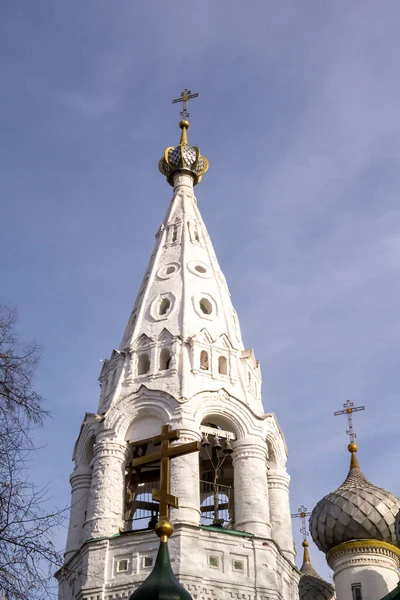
(183, 335)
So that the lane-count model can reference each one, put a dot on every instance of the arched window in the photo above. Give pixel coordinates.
(165, 359)
(174, 233)
(143, 364)
(222, 365)
(204, 364)
(165, 305)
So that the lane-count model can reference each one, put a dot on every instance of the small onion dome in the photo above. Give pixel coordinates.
(311, 585)
(183, 158)
(161, 584)
(357, 510)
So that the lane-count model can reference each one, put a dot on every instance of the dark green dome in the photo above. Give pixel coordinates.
(161, 584)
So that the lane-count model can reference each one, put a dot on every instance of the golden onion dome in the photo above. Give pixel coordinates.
(183, 158)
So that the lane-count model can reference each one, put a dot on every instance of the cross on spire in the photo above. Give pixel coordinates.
(164, 455)
(302, 514)
(349, 408)
(185, 96)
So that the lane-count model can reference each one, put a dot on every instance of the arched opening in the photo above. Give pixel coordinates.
(205, 306)
(165, 359)
(222, 365)
(140, 511)
(164, 307)
(174, 237)
(216, 475)
(204, 362)
(143, 364)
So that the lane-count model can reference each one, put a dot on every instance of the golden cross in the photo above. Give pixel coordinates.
(164, 455)
(184, 98)
(349, 408)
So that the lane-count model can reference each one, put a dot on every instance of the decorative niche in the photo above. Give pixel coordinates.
(200, 269)
(205, 306)
(168, 271)
(162, 306)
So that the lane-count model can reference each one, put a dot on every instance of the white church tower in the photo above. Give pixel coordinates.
(181, 362)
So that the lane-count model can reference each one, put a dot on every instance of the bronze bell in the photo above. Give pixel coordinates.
(227, 447)
(205, 441)
(216, 444)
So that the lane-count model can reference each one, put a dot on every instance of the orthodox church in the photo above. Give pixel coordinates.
(182, 369)
(181, 365)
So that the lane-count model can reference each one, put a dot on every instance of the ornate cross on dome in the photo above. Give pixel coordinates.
(349, 408)
(184, 98)
(164, 455)
(302, 514)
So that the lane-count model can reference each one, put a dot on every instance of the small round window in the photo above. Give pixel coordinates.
(200, 269)
(205, 306)
(170, 270)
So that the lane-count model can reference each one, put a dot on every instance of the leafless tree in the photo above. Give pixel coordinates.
(27, 553)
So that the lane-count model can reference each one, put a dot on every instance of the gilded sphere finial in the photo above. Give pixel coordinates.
(164, 529)
(184, 123)
(305, 544)
(352, 447)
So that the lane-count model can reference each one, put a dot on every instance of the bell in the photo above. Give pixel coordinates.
(227, 449)
(216, 444)
(205, 441)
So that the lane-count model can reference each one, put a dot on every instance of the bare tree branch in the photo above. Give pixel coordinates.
(27, 553)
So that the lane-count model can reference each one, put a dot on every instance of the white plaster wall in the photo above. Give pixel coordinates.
(376, 570)
(265, 574)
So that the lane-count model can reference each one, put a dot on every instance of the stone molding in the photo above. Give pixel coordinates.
(108, 447)
(80, 480)
(278, 479)
(244, 449)
(354, 553)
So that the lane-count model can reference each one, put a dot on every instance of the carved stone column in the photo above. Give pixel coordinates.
(80, 480)
(106, 503)
(185, 480)
(279, 508)
(251, 487)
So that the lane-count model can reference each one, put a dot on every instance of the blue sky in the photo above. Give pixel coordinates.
(299, 118)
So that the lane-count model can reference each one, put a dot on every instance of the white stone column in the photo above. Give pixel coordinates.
(279, 509)
(185, 480)
(369, 563)
(80, 480)
(106, 503)
(250, 487)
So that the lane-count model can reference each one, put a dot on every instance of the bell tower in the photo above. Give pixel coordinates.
(181, 363)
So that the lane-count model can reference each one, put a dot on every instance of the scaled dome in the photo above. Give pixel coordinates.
(311, 585)
(183, 158)
(357, 510)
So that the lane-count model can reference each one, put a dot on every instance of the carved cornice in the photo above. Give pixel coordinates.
(278, 480)
(354, 552)
(80, 480)
(107, 447)
(245, 450)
